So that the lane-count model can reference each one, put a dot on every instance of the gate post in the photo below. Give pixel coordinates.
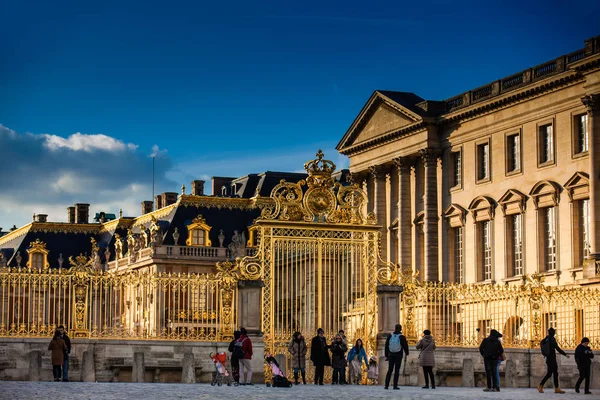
(388, 302)
(249, 305)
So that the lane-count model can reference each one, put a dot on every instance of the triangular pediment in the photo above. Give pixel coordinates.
(512, 202)
(381, 116)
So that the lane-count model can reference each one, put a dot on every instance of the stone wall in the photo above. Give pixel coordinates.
(113, 360)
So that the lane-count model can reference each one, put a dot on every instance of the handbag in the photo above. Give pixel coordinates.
(503, 356)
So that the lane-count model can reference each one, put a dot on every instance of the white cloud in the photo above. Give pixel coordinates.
(88, 143)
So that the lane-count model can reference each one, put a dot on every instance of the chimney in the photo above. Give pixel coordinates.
(169, 198)
(198, 187)
(71, 214)
(146, 206)
(41, 218)
(158, 200)
(82, 213)
(218, 182)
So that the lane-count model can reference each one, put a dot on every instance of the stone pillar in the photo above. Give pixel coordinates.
(378, 177)
(388, 303)
(404, 212)
(388, 219)
(592, 102)
(430, 217)
(35, 365)
(249, 306)
(510, 374)
(88, 368)
(188, 369)
(595, 375)
(139, 367)
(468, 373)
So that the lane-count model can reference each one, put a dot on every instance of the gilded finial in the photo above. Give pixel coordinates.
(120, 213)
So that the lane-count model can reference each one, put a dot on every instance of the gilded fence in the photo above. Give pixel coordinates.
(130, 305)
(462, 315)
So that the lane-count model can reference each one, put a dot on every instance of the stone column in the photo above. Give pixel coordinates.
(139, 367)
(430, 219)
(592, 102)
(88, 369)
(378, 176)
(388, 218)
(188, 368)
(35, 365)
(404, 212)
(249, 306)
(388, 302)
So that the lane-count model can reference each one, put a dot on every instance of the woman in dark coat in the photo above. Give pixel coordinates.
(298, 351)
(319, 355)
(427, 358)
(235, 362)
(338, 359)
(58, 347)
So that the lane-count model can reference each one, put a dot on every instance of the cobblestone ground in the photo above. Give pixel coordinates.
(151, 391)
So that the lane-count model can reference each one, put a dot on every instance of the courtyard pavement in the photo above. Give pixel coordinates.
(167, 391)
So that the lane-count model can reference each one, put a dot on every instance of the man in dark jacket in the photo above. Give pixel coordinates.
(67, 340)
(549, 343)
(395, 344)
(319, 355)
(583, 358)
(490, 349)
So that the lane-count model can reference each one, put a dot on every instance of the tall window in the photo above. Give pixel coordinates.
(483, 161)
(458, 254)
(515, 244)
(549, 321)
(456, 161)
(485, 249)
(546, 144)
(549, 238)
(584, 227)
(581, 134)
(513, 153)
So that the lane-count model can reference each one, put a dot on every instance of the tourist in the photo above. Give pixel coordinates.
(338, 359)
(394, 346)
(58, 347)
(583, 358)
(356, 356)
(343, 335)
(319, 355)
(298, 351)
(498, 363)
(67, 340)
(243, 349)
(549, 348)
(235, 362)
(373, 373)
(490, 349)
(427, 358)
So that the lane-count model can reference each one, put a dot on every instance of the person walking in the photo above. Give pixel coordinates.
(297, 349)
(426, 357)
(244, 353)
(356, 356)
(67, 340)
(338, 359)
(395, 344)
(583, 358)
(549, 348)
(498, 363)
(490, 349)
(319, 355)
(58, 347)
(235, 361)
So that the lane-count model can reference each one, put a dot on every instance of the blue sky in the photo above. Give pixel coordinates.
(232, 88)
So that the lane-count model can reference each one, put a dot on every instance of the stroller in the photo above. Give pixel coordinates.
(279, 379)
(221, 374)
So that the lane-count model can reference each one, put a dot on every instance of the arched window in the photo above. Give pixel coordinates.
(198, 232)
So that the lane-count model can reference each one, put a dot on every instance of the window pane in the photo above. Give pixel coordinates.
(486, 243)
(546, 144)
(456, 165)
(549, 239)
(483, 160)
(582, 133)
(517, 244)
(458, 254)
(584, 217)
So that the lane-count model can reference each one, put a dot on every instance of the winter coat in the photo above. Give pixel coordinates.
(362, 355)
(583, 357)
(426, 356)
(553, 348)
(58, 348)
(319, 354)
(246, 346)
(491, 348)
(403, 345)
(298, 351)
(338, 354)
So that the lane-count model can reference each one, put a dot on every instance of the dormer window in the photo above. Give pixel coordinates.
(198, 232)
(38, 255)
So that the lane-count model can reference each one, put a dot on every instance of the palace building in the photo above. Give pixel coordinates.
(493, 184)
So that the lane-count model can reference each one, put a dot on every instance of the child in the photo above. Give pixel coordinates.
(373, 372)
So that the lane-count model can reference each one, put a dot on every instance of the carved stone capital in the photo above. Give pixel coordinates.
(429, 156)
(402, 164)
(357, 177)
(592, 102)
(376, 171)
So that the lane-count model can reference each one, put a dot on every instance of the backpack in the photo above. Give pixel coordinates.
(238, 350)
(545, 347)
(395, 345)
